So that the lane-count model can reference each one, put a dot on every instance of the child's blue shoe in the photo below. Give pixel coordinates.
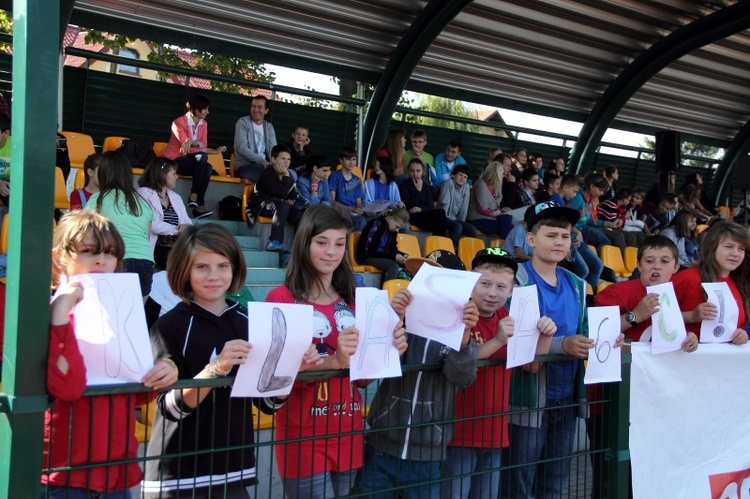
(274, 246)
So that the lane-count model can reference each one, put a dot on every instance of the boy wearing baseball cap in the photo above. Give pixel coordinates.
(474, 455)
(543, 420)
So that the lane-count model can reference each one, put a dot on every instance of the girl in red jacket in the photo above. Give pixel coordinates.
(83, 431)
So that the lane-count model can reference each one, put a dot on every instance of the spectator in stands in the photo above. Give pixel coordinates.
(312, 184)
(413, 458)
(634, 211)
(79, 197)
(418, 143)
(529, 185)
(5, 159)
(557, 165)
(378, 244)
(170, 217)
(551, 187)
(454, 200)
(275, 195)
(485, 211)
(690, 201)
(118, 200)
(382, 188)
(510, 184)
(518, 163)
(613, 210)
(696, 179)
(516, 244)
(681, 231)
(188, 147)
(595, 184)
(417, 197)
(543, 415)
(394, 148)
(299, 145)
(722, 259)
(657, 217)
(86, 434)
(254, 138)
(492, 155)
(665, 184)
(346, 188)
(612, 175)
(445, 162)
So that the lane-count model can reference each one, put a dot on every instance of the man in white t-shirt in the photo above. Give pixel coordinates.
(254, 138)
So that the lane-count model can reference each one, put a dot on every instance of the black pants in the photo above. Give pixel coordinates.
(281, 213)
(198, 167)
(432, 221)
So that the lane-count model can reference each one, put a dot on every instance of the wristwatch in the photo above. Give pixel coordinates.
(630, 319)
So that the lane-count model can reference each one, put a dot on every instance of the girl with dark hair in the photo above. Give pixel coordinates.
(722, 259)
(394, 148)
(322, 420)
(188, 147)
(690, 200)
(382, 188)
(416, 195)
(312, 184)
(118, 200)
(170, 216)
(378, 242)
(681, 231)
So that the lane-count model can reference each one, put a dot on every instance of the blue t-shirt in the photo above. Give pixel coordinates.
(557, 199)
(559, 303)
(517, 239)
(443, 169)
(347, 191)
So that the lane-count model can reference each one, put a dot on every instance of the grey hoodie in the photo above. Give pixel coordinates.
(409, 413)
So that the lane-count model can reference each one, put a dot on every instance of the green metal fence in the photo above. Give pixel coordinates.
(573, 473)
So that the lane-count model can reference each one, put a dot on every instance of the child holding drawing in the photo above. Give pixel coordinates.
(477, 442)
(323, 463)
(206, 336)
(722, 260)
(408, 415)
(83, 431)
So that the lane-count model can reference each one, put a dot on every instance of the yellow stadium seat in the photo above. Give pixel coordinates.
(262, 421)
(612, 258)
(589, 289)
(409, 244)
(231, 172)
(217, 163)
(80, 180)
(593, 248)
(700, 228)
(4, 234)
(631, 258)
(356, 266)
(356, 170)
(433, 243)
(159, 148)
(80, 147)
(393, 285)
(61, 193)
(726, 211)
(468, 248)
(602, 285)
(497, 243)
(245, 196)
(112, 143)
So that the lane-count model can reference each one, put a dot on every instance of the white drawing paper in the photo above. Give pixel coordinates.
(376, 207)
(604, 361)
(280, 334)
(438, 299)
(721, 329)
(110, 326)
(376, 356)
(668, 327)
(524, 308)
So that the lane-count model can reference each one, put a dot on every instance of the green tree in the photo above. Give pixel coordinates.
(206, 62)
(6, 26)
(444, 105)
(688, 149)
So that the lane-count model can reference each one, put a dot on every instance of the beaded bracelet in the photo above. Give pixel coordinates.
(174, 366)
(214, 369)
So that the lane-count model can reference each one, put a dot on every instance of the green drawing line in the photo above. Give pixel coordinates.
(669, 337)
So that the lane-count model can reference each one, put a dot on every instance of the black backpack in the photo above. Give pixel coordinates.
(139, 153)
(230, 208)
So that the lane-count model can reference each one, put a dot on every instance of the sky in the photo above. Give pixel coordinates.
(323, 83)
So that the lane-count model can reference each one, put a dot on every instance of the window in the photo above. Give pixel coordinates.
(129, 70)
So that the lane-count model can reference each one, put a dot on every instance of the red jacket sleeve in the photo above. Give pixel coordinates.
(71, 385)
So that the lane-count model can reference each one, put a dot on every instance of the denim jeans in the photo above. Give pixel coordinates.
(79, 493)
(250, 171)
(553, 440)
(457, 228)
(586, 265)
(500, 226)
(461, 461)
(321, 485)
(382, 472)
